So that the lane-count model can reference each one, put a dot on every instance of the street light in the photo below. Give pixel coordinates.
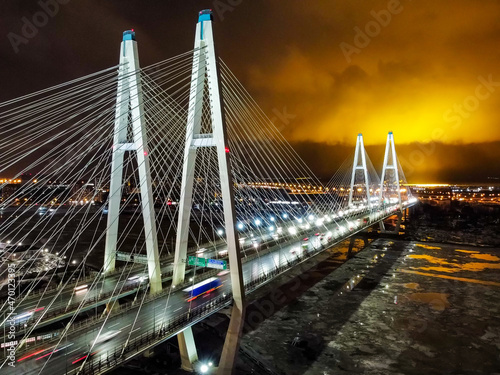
(220, 232)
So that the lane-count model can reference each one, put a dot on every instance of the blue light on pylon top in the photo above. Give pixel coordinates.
(205, 15)
(129, 35)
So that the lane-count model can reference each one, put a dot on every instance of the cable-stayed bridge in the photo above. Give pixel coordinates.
(131, 191)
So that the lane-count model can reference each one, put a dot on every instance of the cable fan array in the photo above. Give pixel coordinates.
(56, 153)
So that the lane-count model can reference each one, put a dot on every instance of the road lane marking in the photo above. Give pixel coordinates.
(74, 350)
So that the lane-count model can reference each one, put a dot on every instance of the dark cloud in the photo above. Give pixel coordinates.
(433, 162)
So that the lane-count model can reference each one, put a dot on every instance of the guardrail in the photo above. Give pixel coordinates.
(124, 352)
(249, 287)
(93, 274)
(118, 309)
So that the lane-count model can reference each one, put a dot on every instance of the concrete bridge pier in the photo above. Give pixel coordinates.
(351, 246)
(232, 342)
(187, 349)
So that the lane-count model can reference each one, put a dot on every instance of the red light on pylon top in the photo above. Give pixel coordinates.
(132, 30)
(226, 149)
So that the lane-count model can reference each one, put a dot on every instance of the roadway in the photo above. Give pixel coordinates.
(71, 351)
(66, 301)
(74, 347)
(56, 305)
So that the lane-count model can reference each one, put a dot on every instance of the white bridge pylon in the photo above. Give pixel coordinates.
(129, 101)
(390, 169)
(359, 155)
(390, 164)
(205, 80)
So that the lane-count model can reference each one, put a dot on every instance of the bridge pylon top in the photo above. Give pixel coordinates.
(205, 15)
(129, 35)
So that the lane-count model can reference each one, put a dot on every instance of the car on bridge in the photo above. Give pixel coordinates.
(203, 287)
(103, 337)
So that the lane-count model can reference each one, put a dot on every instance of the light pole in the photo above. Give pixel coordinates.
(66, 353)
(4, 342)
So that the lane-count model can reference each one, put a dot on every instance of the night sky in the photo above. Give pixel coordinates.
(324, 70)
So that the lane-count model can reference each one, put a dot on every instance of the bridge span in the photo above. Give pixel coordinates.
(155, 173)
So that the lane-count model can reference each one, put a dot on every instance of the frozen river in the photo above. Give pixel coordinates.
(398, 307)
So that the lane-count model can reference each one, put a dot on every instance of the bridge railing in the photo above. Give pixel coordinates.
(151, 338)
(52, 288)
(84, 324)
(29, 294)
(93, 274)
(103, 298)
(168, 329)
(249, 287)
